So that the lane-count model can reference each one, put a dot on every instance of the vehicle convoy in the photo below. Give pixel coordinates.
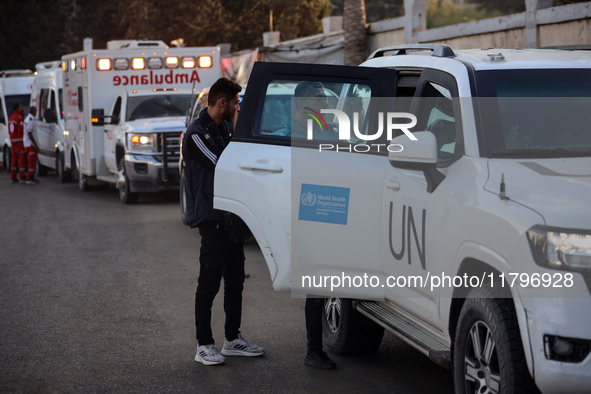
(445, 197)
(47, 96)
(125, 109)
(15, 87)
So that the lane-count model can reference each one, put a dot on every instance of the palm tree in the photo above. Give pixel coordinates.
(355, 32)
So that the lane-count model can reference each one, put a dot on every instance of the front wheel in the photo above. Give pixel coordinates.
(60, 167)
(347, 331)
(7, 158)
(488, 353)
(125, 195)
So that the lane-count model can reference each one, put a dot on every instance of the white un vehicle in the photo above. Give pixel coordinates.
(445, 197)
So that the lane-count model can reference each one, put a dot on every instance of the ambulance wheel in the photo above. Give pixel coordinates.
(63, 175)
(488, 352)
(125, 195)
(81, 178)
(41, 169)
(183, 200)
(347, 331)
(7, 158)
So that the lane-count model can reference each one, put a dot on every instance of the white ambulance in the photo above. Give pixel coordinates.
(125, 110)
(15, 87)
(47, 96)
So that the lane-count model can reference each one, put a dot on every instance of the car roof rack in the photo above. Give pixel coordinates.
(439, 50)
(575, 47)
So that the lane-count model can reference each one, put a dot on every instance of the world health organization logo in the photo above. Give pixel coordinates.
(308, 199)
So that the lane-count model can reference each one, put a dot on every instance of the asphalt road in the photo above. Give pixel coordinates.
(96, 296)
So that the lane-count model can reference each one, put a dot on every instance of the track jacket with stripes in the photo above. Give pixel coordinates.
(203, 143)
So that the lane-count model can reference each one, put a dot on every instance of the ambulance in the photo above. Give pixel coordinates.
(125, 109)
(47, 97)
(15, 87)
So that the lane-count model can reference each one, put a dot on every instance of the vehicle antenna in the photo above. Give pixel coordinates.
(502, 194)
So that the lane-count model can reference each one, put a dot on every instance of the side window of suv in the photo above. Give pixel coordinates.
(437, 112)
(293, 108)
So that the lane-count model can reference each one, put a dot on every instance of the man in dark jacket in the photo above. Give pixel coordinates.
(222, 243)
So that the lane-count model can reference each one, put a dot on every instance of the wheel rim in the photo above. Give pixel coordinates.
(481, 363)
(332, 308)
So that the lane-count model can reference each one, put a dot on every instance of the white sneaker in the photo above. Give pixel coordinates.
(209, 355)
(241, 347)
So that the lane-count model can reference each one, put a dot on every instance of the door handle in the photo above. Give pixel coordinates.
(393, 184)
(256, 166)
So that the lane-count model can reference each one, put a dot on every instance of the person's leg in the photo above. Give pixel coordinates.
(22, 163)
(313, 313)
(315, 356)
(212, 265)
(233, 286)
(31, 154)
(14, 161)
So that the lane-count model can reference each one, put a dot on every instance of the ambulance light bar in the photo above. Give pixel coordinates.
(154, 62)
(172, 62)
(121, 63)
(189, 62)
(205, 61)
(138, 63)
(103, 64)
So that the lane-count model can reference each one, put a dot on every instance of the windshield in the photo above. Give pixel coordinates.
(158, 106)
(24, 99)
(535, 113)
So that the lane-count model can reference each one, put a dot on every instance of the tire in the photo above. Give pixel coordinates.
(63, 175)
(79, 177)
(488, 352)
(347, 331)
(125, 195)
(183, 200)
(41, 169)
(7, 158)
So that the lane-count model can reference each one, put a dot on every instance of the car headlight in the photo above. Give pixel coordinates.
(562, 249)
(141, 142)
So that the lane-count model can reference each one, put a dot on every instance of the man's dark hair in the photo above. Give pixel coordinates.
(303, 89)
(223, 88)
(15, 106)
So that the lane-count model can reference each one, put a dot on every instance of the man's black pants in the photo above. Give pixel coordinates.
(313, 312)
(219, 258)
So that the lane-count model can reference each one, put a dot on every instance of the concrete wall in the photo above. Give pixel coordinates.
(537, 27)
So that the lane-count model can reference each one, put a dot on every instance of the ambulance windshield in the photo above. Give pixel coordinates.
(157, 106)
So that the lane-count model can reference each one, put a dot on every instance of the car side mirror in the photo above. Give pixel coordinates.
(419, 154)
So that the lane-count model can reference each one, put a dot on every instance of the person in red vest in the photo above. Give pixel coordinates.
(15, 130)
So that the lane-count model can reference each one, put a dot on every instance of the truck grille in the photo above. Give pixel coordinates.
(169, 145)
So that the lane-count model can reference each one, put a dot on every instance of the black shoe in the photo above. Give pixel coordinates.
(32, 181)
(319, 359)
(13, 181)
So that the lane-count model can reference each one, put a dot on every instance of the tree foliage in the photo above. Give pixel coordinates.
(43, 30)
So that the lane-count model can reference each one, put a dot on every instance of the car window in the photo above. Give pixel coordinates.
(437, 105)
(290, 105)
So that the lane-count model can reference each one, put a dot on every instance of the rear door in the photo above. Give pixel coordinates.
(311, 196)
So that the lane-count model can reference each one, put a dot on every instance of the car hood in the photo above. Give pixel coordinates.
(159, 124)
(558, 189)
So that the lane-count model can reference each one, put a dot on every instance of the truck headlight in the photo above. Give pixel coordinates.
(141, 142)
(561, 249)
